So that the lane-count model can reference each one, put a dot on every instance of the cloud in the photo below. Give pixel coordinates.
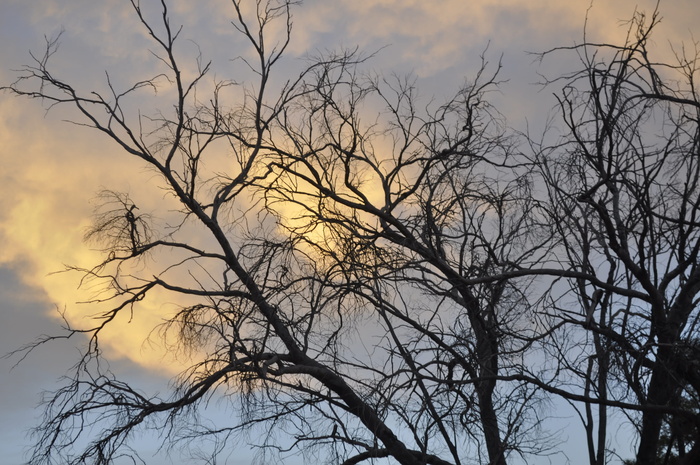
(433, 39)
(52, 169)
(51, 172)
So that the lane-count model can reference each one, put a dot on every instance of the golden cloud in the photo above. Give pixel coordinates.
(51, 170)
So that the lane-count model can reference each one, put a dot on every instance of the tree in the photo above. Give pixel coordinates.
(623, 188)
(409, 240)
(375, 280)
(429, 215)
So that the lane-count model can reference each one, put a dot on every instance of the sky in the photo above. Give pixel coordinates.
(52, 170)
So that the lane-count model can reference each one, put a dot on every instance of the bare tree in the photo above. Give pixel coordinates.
(623, 188)
(371, 277)
(396, 242)
(438, 211)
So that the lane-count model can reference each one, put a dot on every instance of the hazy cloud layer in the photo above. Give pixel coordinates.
(52, 170)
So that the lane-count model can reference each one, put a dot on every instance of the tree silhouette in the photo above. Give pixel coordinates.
(370, 278)
(623, 187)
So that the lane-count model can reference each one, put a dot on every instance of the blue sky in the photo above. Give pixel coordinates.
(51, 170)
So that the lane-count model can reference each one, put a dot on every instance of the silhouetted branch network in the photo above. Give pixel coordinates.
(372, 278)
